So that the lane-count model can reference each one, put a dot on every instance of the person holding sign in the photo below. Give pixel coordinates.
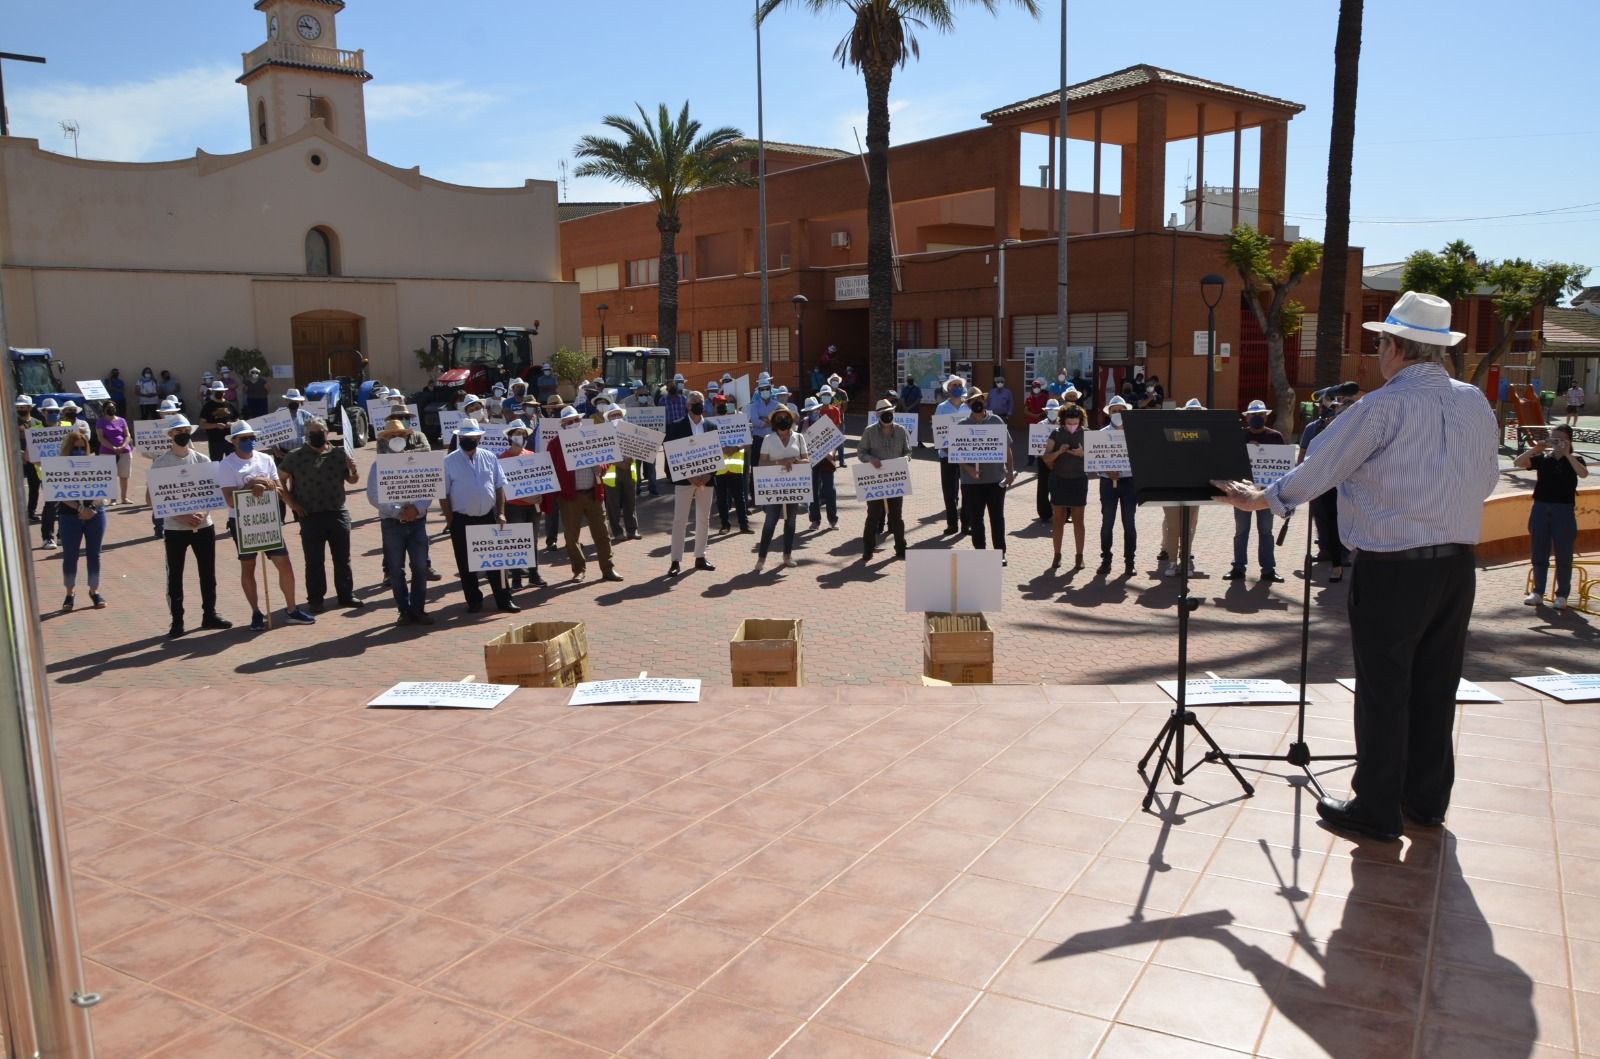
(784, 447)
(1069, 486)
(185, 533)
(404, 528)
(520, 511)
(475, 495)
(1116, 495)
(695, 491)
(884, 440)
(984, 485)
(954, 404)
(621, 480)
(49, 421)
(115, 439)
(824, 489)
(247, 470)
(83, 527)
(27, 420)
(1256, 432)
(1172, 523)
(581, 500)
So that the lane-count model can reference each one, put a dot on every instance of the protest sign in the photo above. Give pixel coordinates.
(774, 485)
(978, 443)
(149, 439)
(1038, 435)
(494, 438)
(589, 444)
(317, 406)
(529, 475)
(275, 430)
(257, 522)
(378, 410)
(94, 390)
(1106, 452)
(693, 456)
(912, 422)
(957, 581)
(653, 417)
(491, 548)
(1567, 687)
(638, 443)
(1224, 692)
(407, 476)
(78, 477)
(1466, 691)
(881, 483)
(942, 425)
(1268, 463)
(45, 441)
(741, 391)
(733, 429)
(444, 695)
(448, 421)
(822, 437)
(283, 371)
(640, 689)
(187, 489)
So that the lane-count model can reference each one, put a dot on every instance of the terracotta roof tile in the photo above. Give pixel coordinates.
(1133, 77)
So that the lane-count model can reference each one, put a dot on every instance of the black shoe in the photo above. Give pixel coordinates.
(351, 603)
(1421, 819)
(314, 606)
(1162, 556)
(744, 527)
(726, 528)
(1271, 577)
(507, 606)
(900, 551)
(866, 557)
(1003, 559)
(1129, 571)
(422, 617)
(1346, 816)
(473, 608)
(611, 575)
(405, 618)
(176, 630)
(949, 530)
(212, 621)
(535, 581)
(674, 570)
(1233, 574)
(1104, 567)
(703, 564)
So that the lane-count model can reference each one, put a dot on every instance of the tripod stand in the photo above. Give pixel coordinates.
(1169, 742)
(1299, 754)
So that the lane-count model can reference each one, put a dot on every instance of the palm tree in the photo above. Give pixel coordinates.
(1336, 238)
(666, 160)
(881, 38)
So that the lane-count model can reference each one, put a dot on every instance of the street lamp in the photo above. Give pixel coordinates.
(799, 301)
(601, 309)
(1211, 286)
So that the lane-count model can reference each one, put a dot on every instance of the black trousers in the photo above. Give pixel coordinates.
(30, 471)
(203, 542)
(1408, 631)
(877, 511)
(469, 578)
(321, 533)
(980, 497)
(950, 484)
(730, 493)
(1041, 494)
(1325, 516)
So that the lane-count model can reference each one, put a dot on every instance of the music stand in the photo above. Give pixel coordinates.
(1175, 456)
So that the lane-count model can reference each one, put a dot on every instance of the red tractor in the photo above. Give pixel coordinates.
(472, 360)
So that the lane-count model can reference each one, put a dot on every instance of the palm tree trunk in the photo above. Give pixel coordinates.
(1336, 237)
(668, 225)
(880, 251)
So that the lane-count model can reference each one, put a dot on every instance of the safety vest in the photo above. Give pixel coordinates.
(609, 479)
(733, 464)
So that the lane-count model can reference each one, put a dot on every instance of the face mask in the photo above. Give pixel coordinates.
(781, 423)
(1257, 422)
(1000, 385)
(698, 409)
(977, 407)
(181, 440)
(764, 393)
(517, 440)
(294, 406)
(316, 439)
(52, 417)
(467, 444)
(1116, 419)
(397, 444)
(245, 446)
(1073, 425)
(886, 417)
(956, 395)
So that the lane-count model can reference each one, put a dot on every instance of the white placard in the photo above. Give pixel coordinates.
(94, 389)
(978, 443)
(822, 438)
(774, 485)
(491, 548)
(947, 580)
(1106, 452)
(378, 410)
(1268, 463)
(257, 522)
(1038, 436)
(529, 475)
(187, 489)
(653, 417)
(640, 689)
(346, 429)
(911, 422)
(427, 693)
(1570, 687)
(638, 442)
(849, 288)
(45, 441)
(1466, 690)
(275, 430)
(78, 477)
(741, 392)
(589, 444)
(283, 371)
(942, 425)
(317, 406)
(693, 456)
(733, 429)
(1234, 692)
(149, 439)
(407, 476)
(448, 421)
(494, 438)
(882, 483)
(1201, 342)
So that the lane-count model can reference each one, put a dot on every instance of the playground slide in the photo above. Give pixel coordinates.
(1530, 411)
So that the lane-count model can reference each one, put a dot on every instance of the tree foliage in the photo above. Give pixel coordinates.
(1267, 284)
(239, 360)
(570, 365)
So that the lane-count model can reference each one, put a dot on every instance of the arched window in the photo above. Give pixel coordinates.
(261, 122)
(321, 253)
(321, 108)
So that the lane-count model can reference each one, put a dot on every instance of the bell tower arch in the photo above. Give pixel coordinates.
(300, 73)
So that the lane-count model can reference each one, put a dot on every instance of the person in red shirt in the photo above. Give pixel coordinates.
(580, 499)
(1034, 405)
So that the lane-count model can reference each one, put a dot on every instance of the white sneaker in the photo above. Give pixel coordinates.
(787, 562)
(760, 563)
(1169, 569)
(1561, 602)
(1531, 599)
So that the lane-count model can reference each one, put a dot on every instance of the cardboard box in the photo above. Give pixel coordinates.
(958, 648)
(765, 653)
(539, 654)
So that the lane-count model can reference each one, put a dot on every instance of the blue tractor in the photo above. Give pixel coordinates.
(36, 373)
(347, 393)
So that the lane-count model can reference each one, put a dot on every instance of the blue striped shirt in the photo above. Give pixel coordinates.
(1413, 462)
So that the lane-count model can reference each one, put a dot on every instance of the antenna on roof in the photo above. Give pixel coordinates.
(69, 128)
(562, 165)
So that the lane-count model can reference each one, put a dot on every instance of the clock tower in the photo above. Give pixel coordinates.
(300, 73)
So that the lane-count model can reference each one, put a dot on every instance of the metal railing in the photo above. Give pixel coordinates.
(306, 54)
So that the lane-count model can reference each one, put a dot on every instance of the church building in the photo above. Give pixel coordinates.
(304, 246)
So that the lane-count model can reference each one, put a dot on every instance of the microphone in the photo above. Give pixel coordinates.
(1343, 389)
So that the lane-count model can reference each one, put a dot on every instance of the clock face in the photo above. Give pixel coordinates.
(309, 27)
(272, 27)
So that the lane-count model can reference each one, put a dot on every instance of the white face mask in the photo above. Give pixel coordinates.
(1116, 419)
(397, 444)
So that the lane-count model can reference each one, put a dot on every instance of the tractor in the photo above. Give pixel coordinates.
(345, 393)
(472, 360)
(36, 374)
(624, 365)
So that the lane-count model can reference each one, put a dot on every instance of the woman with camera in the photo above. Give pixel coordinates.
(1553, 521)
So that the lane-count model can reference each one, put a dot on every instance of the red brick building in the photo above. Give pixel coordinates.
(964, 215)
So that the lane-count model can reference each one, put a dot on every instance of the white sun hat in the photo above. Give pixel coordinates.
(1193, 405)
(292, 394)
(1256, 408)
(241, 429)
(1421, 318)
(1116, 404)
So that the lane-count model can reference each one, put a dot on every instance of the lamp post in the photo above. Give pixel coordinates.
(1211, 286)
(601, 309)
(799, 301)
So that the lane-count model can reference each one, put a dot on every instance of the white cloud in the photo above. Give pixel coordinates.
(398, 102)
(145, 120)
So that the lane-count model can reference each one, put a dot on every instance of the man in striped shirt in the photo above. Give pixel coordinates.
(1413, 463)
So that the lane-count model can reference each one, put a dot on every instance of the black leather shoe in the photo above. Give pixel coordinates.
(508, 607)
(703, 564)
(1346, 816)
(176, 630)
(213, 621)
(1233, 574)
(1421, 819)
(674, 570)
(1272, 577)
(351, 603)
(473, 608)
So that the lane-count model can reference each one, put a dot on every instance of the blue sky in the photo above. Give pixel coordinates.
(1462, 114)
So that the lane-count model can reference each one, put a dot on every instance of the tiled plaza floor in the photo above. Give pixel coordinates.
(861, 873)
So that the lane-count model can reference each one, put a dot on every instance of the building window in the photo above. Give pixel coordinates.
(908, 334)
(596, 277)
(321, 253)
(967, 337)
(720, 347)
(591, 345)
(261, 122)
(642, 340)
(777, 342)
(1106, 332)
(646, 271)
(1308, 334)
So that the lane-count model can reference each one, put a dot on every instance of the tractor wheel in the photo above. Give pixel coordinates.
(358, 427)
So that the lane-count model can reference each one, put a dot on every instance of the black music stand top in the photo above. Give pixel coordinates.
(1177, 454)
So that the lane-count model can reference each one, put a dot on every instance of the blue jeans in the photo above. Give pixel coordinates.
(1553, 526)
(786, 512)
(824, 494)
(403, 541)
(76, 535)
(1118, 496)
(1241, 540)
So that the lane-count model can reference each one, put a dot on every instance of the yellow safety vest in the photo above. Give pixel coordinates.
(733, 464)
(609, 479)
